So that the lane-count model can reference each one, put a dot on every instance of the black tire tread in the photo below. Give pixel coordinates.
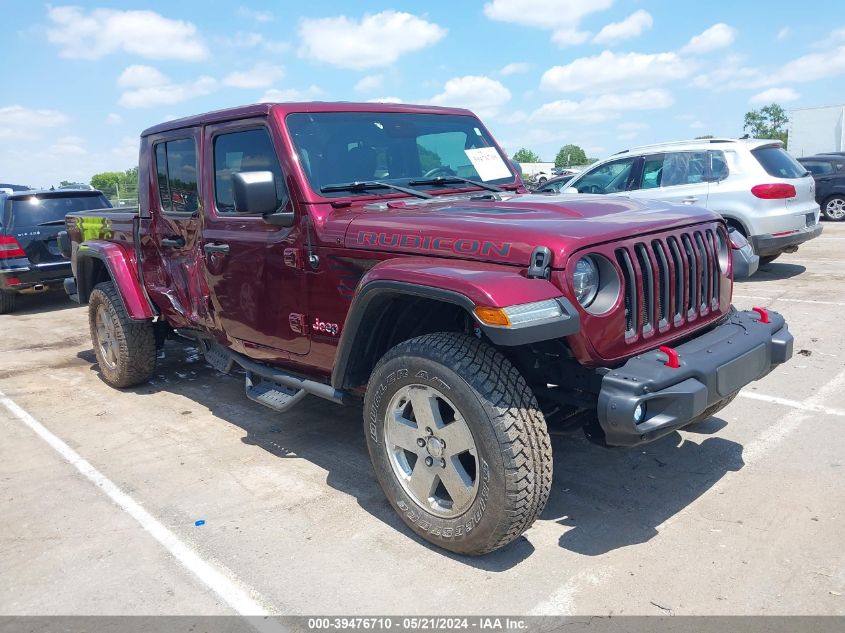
(137, 357)
(824, 206)
(7, 302)
(517, 421)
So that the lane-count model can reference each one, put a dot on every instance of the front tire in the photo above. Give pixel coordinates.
(834, 208)
(125, 349)
(458, 442)
(7, 301)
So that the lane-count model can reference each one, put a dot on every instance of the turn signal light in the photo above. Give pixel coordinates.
(774, 191)
(492, 316)
(9, 247)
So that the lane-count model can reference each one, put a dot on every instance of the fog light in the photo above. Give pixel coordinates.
(639, 413)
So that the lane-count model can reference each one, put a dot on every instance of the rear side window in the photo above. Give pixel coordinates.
(176, 168)
(247, 150)
(778, 163)
(46, 209)
(818, 168)
(674, 168)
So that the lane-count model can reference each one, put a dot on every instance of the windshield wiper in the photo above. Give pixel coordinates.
(374, 184)
(448, 180)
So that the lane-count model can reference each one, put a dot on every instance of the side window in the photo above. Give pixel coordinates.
(611, 177)
(818, 168)
(718, 166)
(176, 168)
(684, 168)
(245, 150)
(652, 171)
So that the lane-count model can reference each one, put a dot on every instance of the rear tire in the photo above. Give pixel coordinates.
(458, 442)
(7, 301)
(125, 349)
(768, 259)
(834, 208)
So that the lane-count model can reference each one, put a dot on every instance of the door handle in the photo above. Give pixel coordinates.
(216, 248)
(173, 242)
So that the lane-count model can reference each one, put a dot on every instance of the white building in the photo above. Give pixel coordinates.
(817, 130)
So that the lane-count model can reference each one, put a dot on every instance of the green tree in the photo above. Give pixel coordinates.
(526, 156)
(768, 122)
(570, 155)
(116, 184)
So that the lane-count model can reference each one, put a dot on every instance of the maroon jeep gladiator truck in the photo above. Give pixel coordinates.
(389, 255)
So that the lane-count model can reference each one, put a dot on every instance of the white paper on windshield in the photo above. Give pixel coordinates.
(488, 163)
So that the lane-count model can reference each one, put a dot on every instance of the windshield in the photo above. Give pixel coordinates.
(337, 148)
(41, 209)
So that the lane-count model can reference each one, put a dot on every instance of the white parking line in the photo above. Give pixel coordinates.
(814, 301)
(795, 404)
(231, 592)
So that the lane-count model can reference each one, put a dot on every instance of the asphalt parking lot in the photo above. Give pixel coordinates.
(742, 514)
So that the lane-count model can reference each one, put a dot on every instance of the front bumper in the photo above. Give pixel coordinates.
(775, 244)
(713, 366)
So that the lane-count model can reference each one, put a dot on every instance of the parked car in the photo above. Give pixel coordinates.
(12, 188)
(758, 188)
(463, 314)
(554, 185)
(30, 222)
(77, 185)
(828, 171)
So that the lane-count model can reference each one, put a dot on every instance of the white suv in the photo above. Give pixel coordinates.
(760, 190)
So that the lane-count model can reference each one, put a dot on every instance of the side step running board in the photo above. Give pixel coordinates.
(271, 394)
(266, 385)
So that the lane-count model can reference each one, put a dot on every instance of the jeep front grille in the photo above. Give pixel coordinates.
(669, 280)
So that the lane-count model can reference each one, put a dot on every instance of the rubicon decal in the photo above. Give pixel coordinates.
(461, 246)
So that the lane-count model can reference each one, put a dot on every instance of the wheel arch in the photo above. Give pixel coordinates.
(98, 261)
(400, 299)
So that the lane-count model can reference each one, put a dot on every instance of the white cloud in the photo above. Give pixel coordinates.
(376, 40)
(256, 40)
(717, 36)
(479, 93)
(140, 76)
(68, 146)
(147, 87)
(615, 71)
(632, 126)
(697, 125)
(114, 119)
(261, 75)
(385, 100)
(544, 14)
(809, 67)
(291, 94)
(18, 122)
(100, 32)
(515, 68)
(632, 26)
(730, 74)
(602, 107)
(775, 95)
(570, 37)
(783, 34)
(258, 16)
(369, 83)
(833, 40)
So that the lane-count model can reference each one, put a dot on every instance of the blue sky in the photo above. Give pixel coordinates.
(82, 80)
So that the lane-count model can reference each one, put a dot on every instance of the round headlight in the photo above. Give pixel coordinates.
(585, 279)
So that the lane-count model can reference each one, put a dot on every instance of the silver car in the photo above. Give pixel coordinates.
(760, 190)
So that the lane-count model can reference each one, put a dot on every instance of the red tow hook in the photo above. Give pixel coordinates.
(764, 314)
(673, 357)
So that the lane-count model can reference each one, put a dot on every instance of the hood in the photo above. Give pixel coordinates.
(508, 230)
